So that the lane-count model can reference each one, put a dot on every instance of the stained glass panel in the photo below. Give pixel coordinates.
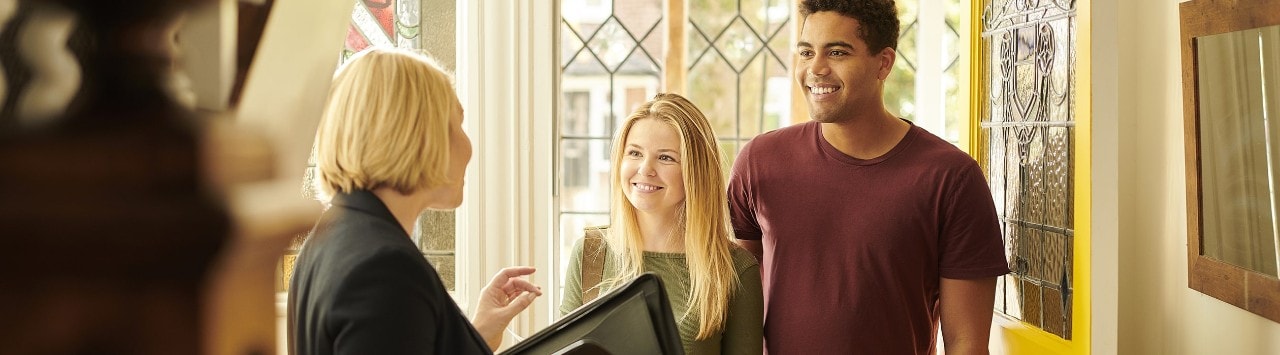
(1029, 128)
(383, 23)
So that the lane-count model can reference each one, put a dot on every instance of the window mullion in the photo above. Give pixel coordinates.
(799, 109)
(930, 60)
(674, 69)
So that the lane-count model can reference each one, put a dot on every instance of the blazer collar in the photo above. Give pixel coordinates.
(364, 201)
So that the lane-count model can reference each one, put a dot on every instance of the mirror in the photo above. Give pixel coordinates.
(1231, 107)
(1239, 95)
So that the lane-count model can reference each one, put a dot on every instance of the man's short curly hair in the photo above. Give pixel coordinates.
(878, 19)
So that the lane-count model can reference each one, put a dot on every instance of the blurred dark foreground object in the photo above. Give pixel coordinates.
(106, 233)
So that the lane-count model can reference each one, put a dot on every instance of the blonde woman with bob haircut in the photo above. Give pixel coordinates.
(670, 216)
(390, 145)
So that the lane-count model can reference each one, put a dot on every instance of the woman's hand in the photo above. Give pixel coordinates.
(506, 295)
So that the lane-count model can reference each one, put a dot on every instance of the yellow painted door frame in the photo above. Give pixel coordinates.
(1015, 336)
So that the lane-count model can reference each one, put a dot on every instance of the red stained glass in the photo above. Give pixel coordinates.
(384, 11)
(355, 41)
(360, 34)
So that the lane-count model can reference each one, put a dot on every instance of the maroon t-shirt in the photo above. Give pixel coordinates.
(853, 248)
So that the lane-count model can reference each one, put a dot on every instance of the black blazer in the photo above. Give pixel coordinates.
(360, 286)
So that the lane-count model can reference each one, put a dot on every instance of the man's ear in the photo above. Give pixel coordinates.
(887, 56)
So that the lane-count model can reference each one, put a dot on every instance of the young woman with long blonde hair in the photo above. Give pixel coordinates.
(670, 216)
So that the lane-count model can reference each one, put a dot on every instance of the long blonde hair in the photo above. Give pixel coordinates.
(703, 222)
(386, 124)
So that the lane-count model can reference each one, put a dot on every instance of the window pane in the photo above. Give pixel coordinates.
(765, 89)
(900, 87)
(728, 152)
(713, 88)
(644, 20)
(712, 16)
(575, 116)
(738, 72)
(612, 44)
(584, 175)
(767, 17)
(925, 81)
(956, 119)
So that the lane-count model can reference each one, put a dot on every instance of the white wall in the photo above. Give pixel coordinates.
(1158, 313)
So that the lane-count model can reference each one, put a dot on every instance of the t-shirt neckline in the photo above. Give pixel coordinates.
(831, 150)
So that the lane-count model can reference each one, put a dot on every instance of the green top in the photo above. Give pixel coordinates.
(743, 331)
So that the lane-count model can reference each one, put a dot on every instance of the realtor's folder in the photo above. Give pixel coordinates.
(633, 319)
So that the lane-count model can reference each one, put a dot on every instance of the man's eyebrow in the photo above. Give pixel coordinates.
(838, 44)
(828, 45)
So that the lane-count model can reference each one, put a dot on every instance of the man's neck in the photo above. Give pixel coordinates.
(867, 136)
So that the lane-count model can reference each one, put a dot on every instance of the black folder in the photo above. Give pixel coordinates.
(633, 319)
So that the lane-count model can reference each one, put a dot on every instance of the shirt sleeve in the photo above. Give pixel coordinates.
(741, 205)
(383, 307)
(970, 245)
(572, 297)
(744, 324)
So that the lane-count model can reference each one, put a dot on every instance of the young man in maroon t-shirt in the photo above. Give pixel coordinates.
(870, 231)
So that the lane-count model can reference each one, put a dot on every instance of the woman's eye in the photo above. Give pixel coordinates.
(667, 158)
(633, 153)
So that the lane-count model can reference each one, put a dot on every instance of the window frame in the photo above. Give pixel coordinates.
(502, 82)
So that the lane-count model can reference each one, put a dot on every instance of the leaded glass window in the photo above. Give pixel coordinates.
(739, 56)
(1028, 125)
(928, 72)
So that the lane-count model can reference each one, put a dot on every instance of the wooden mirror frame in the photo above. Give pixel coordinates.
(1250, 290)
